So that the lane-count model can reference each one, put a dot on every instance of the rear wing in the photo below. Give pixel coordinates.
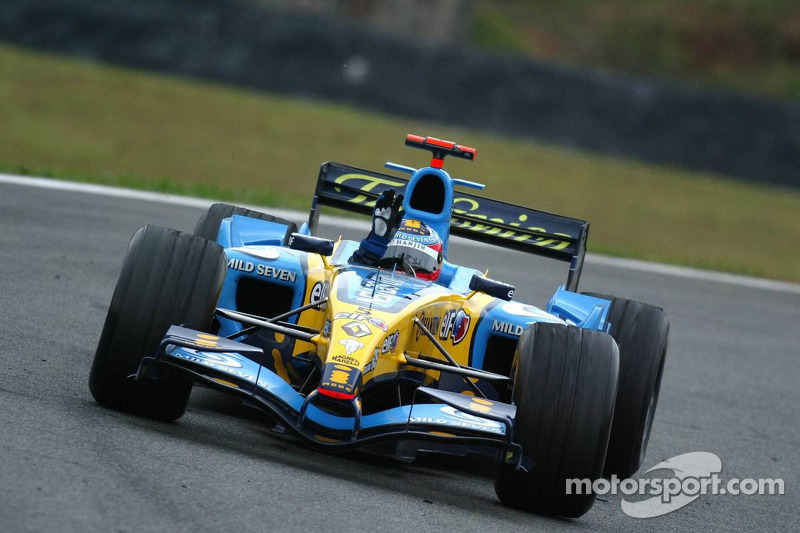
(473, 217)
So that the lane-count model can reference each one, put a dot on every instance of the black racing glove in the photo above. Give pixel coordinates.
(387, 215)
(386, 218)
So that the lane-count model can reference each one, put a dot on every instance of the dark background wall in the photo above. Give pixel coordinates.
(251, 46)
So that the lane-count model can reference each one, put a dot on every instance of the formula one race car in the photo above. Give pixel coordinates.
(349, 356)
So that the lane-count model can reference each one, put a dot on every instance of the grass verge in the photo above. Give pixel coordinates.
(78, 120)
(742, 45)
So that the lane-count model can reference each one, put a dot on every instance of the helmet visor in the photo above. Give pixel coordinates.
(423, 259)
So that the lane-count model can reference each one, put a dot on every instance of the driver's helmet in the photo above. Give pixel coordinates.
(417, 245)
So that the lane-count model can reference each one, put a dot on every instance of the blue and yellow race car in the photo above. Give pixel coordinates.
(347, 355)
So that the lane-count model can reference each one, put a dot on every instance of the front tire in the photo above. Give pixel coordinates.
(564, 390)
(167, 278)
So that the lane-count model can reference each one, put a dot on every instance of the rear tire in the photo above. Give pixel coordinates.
(167, 278)
(641, 331)
(564, 390)
(208, 225)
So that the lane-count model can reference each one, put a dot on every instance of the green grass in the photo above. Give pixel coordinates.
(744, 45)
(78, 120)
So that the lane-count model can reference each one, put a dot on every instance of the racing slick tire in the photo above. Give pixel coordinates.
(641, 332)
(168, 277)
(208, 225)
(564, 390)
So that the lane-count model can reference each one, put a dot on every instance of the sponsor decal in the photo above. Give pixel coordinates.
(507, 327)
(446, 327)
(266, 271)
(382, 291)
(345, 359)
(377, 322)
(339, 378)
(413, 227)
(431, 322)
(326, 329)
(427, 250)
(471, 207)
(356, 329)
(522, 230)
(352, 316)
(454, 417)
(480, 405)
(468, 418)
(319, 292)
(385, 292)
(205, 340)
(371, 365)
(454, 324)
(351, 345)
(380, 324)
(417, 242)
(390, 342)
(227, 360)
(230, 363)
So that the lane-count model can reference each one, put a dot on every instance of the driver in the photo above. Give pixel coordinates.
(410, 244)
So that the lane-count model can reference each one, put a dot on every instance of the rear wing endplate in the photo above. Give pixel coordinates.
(473, 217)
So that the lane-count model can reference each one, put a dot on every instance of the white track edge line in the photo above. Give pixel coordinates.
(591, 258)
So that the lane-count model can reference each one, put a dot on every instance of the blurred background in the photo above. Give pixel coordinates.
(672, 125)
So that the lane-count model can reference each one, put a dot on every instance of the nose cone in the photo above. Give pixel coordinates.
(358, 341)
(368, 309)
(355, 341)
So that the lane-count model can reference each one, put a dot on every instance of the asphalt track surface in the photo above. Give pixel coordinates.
(730, 387)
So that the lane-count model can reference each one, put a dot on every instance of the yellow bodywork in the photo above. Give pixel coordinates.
(377, 353)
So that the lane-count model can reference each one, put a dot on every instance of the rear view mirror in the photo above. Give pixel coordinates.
(307, 243)
(498, 289)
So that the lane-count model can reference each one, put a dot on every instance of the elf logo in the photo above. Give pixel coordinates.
(455, 324)
(320, 292)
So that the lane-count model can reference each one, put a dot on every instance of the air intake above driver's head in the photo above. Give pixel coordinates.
(428, 194)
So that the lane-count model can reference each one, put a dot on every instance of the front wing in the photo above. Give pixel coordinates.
(444, 417)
